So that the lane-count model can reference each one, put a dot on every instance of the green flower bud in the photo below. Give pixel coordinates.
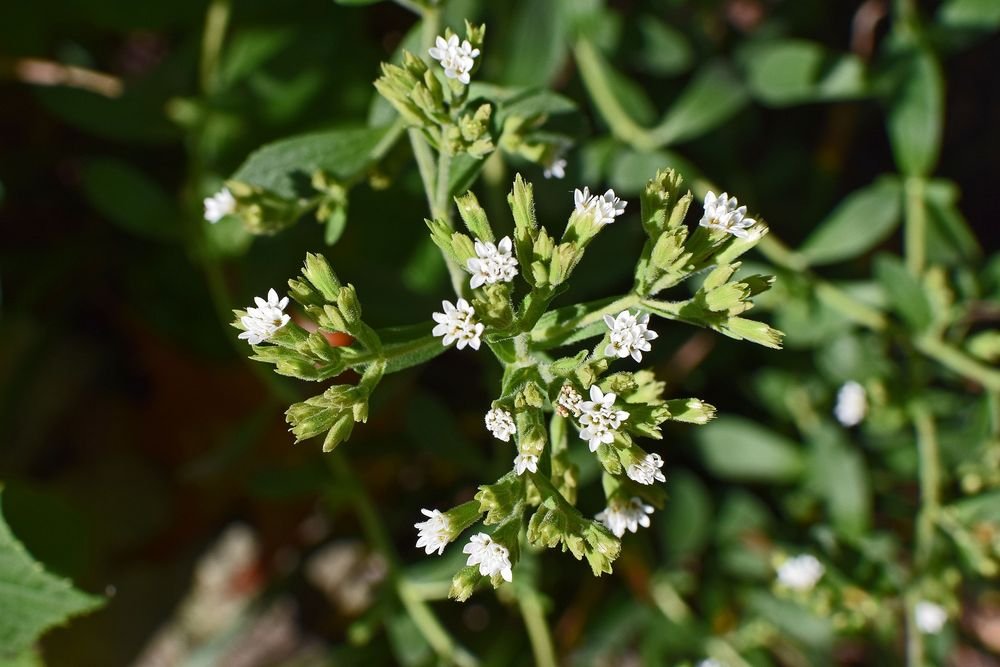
(339, 432)
(464, 583)
(348, 305)
(474, 217)
(691, 410)
(500, 500)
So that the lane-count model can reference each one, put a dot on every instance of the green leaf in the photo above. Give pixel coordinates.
(712, 97)
(537, 46)
(838, 474)
(737, 448)
(664, 50)
(687, 521)
(356, 3)
(916, 114)
(865, 218)
(286, 167)
(791, 71)
(905, 293)
(335, 225)
(408, 346)
(129, 198)
(949, 239)
(979, 15)
(249, 49)
(631, 169)
(33, 600)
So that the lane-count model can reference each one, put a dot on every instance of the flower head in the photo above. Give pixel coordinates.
(930, 617)
(852, 404)
(491, 557)
(800, 573)
(434, 533)
(263, 321)
(647, 470)
(630, 335)
(492, 263)
(500, 423)
(619, 516)
(605, 208)
(524, 462)
(725, 214)
(456, 59)
(555, 169)
(457, 322)
(219, 205)
(599, 418)
(568, 402)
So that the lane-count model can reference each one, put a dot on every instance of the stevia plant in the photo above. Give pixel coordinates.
(551, 396)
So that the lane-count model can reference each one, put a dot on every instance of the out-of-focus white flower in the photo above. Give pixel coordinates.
(555, 169)
(568, 402)
(434, 534)
(930, 617)
(456, 59)
(800, 573)
(630, 335)
(457, 323)
(710, 662)
(500, 423)
(348, 573)
(619, 516)
(219, 205)
(852, 404)
(491, 557)
(725, 214)
(492, 263)
(599, 418)
(524, 462)
(605, 208)
(263, 321)
(647, 471)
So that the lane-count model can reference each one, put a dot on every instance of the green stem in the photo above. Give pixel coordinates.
(930, 482)
(538, 629)
(553, 335)
(915, 229)
(959, 362)
(598, 85)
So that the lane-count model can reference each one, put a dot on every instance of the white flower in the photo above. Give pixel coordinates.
(630, 335)
(491, 557)
(263, 321)
(724, 213)
(219, 205)
(435, 532)
(555, 169)
(929, 617)
(852, 404)
(619, 517)
(605, 208)
(801, 572)
(493, 263)
(600, 419)
(500, 423)
(524, 462)
(457, 323)
(710, 662)
(456, 59)
(647, 471)
(568, 402)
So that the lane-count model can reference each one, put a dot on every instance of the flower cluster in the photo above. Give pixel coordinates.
(525, 462)
(605, 208)
(621, 516)
(434, 533)
(800, 573)
(500, 423)
(569, 401)
(219, 205)
(852, 404)
(456, 59)
(262, 322)
(555, 169)
(458, 323)
(491, 557)
(647, 470)
(599, 418)
(630, 335)
(492, 263)
(725, 214)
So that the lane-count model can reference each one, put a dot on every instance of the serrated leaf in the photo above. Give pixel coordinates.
(33, 600)
(285, 167)
(865, 218)
(737, 448)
